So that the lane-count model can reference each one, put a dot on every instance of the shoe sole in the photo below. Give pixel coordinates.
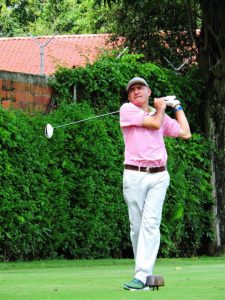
(135, 290)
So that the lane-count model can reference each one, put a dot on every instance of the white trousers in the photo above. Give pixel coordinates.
(144, 194)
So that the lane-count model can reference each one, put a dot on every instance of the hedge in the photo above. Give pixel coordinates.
(62, 197)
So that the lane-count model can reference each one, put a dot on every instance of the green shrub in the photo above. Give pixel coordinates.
(186, 214)
(62, 197)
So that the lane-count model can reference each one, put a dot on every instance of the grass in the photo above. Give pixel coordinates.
(200, 278)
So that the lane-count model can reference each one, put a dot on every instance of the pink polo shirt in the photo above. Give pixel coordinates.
(145, 147)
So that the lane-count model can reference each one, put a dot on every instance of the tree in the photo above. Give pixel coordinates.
(211, 61)
(208, 16)
(45, 17)
(149, 31)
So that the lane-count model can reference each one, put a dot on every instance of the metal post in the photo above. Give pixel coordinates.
(75, 93)
(42, 50)
(180, 67)
(121, 53)
(42, 60)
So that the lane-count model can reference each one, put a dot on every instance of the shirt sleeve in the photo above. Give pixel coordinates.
(130, 115)
(170, 127)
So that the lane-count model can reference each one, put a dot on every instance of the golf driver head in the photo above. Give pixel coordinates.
(49, 131)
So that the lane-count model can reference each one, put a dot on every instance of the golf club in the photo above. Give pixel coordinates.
(49, 128)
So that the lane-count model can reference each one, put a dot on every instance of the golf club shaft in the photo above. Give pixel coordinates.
(114, 112)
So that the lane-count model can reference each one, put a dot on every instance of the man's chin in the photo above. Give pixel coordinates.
(137, 103)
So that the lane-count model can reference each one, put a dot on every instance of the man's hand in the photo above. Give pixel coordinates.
(160, 103)
(171, 101)
(155, 121)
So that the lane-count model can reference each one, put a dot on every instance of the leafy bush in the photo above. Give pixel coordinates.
(186, 214)
(62, 197)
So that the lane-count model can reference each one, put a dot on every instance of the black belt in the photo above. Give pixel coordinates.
(145, 169)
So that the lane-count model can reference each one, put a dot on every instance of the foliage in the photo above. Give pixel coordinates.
(161, 30)
(50, 16)
(189, 200)
(63, 197)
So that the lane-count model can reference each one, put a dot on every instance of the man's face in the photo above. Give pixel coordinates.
(138, 94)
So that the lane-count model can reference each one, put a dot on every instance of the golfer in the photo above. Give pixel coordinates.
(145, 178)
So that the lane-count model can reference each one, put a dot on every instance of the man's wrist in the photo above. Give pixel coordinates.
(161, 109)
(177, 108)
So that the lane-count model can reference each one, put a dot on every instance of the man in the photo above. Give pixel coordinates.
(145, 178)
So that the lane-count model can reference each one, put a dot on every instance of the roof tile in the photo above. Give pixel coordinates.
(22, 54)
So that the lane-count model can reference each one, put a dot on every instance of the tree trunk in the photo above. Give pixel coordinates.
(212, 68)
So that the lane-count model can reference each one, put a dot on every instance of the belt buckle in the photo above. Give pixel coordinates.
(147, 170)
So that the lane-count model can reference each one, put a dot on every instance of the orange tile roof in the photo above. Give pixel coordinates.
(22, 54)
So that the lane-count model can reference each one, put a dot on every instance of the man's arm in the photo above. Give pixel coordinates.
(155, 122)
(185, 132)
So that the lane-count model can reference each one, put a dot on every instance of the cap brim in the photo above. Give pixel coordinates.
(136, 82)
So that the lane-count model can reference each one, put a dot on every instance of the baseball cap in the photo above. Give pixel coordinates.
(136, 80)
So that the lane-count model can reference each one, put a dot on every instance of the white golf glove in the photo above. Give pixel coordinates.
(171, 101)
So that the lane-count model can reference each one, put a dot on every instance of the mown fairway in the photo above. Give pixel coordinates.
(194, 278)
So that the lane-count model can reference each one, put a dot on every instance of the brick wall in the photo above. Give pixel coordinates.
(25, 91)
